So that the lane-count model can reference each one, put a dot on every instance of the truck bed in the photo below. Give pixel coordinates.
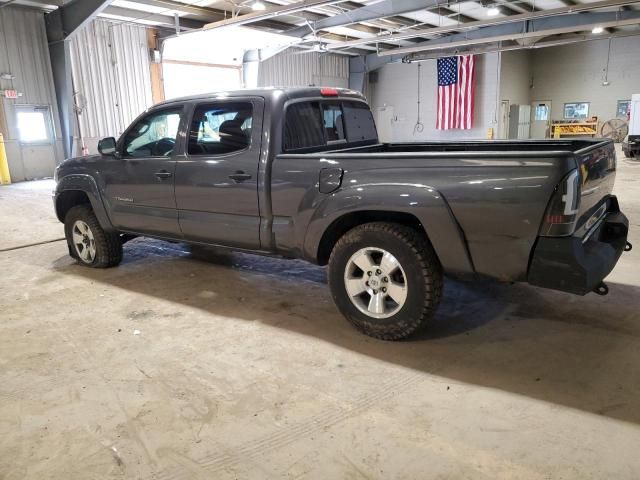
(496, 191)
(481, 146)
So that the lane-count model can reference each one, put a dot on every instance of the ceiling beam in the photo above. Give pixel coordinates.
(530, 5)
(197, 17)
(6, 3)
(501, 47)
(451, 13)
(514, 19)
(271, 13)
(374, 11)
(333, 37)
(65, 21)
(46, 5)
(509, 9)
(541, 27)
(158, 18)
(211, 14)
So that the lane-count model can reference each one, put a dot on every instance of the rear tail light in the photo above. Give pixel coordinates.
(329, 92)
(561, 215)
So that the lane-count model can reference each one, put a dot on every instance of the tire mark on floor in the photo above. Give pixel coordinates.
(253, 449)
(34, 390)
(138, 435)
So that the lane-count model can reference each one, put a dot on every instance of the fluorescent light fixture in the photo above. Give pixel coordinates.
(493, 11)
(258, 6)
(597, 30)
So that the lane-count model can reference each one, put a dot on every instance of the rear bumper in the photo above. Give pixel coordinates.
(578, 264)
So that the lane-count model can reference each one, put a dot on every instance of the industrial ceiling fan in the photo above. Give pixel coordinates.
(615, 129)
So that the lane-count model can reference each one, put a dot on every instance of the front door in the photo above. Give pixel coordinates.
(139, 184)
(217, 177)
(540, 119)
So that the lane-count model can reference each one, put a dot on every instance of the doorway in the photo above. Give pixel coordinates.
(504, 119)
(541, 119)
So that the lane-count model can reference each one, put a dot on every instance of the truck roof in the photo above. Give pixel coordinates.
(270, 93)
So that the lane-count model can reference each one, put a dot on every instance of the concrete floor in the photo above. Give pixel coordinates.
(243, 368)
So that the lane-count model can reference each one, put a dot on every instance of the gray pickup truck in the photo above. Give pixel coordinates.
(300, 173)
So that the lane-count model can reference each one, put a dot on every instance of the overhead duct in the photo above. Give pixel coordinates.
(499, 47)
(251, 63)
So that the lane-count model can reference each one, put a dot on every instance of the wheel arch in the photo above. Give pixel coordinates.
(423, 209)
(350, 220)
(67, 199)
(75, 190)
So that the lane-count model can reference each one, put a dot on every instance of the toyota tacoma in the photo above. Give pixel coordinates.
(300, 173)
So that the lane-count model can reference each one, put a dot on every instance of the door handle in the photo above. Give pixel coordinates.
(163, 174)
(239, 176)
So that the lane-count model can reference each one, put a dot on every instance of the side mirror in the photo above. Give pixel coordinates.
(107, 146)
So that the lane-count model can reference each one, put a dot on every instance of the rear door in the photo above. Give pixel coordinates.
(217, 177)
(139, 184)
(541, 119)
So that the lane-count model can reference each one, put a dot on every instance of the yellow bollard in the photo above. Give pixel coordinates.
(5, 177)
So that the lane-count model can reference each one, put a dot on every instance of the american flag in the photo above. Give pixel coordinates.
(456, 89)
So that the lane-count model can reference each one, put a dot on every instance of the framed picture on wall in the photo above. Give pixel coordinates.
(576, 110)
(622, 108)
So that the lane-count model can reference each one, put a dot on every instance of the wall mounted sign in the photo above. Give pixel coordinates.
(11, 94)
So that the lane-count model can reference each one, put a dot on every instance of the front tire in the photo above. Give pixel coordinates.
(386, 279)
(88, 242)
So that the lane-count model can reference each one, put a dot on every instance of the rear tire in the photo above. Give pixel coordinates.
(400, 279)
(88, 243)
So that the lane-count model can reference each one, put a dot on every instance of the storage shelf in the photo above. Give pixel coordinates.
(590, 129)
(580, 133)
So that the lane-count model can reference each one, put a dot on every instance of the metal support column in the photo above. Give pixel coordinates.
(62, 24)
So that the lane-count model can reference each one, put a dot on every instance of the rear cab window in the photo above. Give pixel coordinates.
(317, 125)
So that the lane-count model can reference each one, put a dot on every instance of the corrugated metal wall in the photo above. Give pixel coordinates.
(293, 68)
(111, 75)
(25, 55)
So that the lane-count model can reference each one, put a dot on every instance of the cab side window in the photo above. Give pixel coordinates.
(154, 135)
(219, 129)
(318, 125)
(333, 122)
(359, 122)
(303, 126)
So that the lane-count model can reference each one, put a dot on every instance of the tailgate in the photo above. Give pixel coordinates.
(597, 165)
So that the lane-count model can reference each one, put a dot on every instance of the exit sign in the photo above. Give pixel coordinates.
(10, 94)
